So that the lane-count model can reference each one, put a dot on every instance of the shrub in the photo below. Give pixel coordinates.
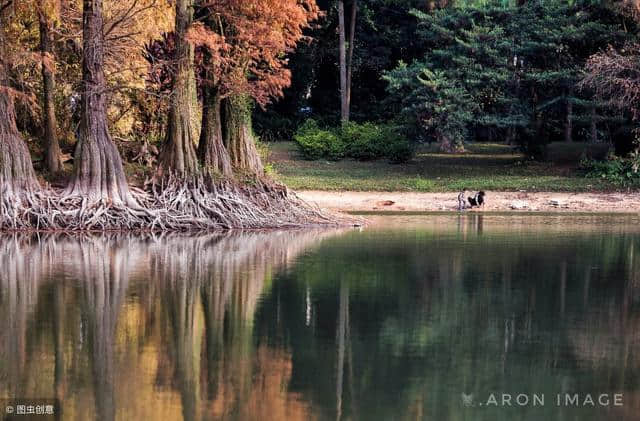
(316, 143)
(617, 170)
(399, 150)
(363, 141)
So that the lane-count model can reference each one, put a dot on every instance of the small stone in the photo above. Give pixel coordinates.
(518, 205)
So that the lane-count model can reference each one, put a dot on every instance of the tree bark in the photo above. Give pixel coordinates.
(16, 170)
(98, 173)
(352, 37)
(213, 156)
(344, 113)
(568, 123)
(238, 136)
(53, 155)
(178, 153)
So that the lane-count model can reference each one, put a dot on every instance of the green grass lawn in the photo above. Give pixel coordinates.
(494, 167)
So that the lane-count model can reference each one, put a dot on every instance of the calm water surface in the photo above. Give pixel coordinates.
(412, 318)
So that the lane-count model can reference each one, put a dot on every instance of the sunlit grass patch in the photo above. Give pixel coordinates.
(495, 167)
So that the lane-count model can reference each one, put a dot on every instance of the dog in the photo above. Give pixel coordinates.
(477, 200)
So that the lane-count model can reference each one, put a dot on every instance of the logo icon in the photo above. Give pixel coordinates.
(467, 400)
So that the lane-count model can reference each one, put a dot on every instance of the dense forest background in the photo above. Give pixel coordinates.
(402, 72)
(529, 73)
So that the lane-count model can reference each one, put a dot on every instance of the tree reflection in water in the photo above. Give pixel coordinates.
(391, 322)
(176, 306)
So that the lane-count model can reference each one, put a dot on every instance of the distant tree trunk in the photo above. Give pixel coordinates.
(593, 129)
(449, 145)
(178, 153)
(344, 108)
(98, 172)
(53, 159)
(16, 171)
(568, 123)
(512, 130)
(238, 135)
(536, 115)
(511, 135)
(211, 151)
(352, 37)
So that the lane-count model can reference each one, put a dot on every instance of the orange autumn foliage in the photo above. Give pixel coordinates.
(248, 41)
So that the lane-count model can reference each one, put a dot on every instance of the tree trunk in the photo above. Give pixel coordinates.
(449, 145)
(53, 159)
(593, 129)
(511, 135)
(238, 136)
(16, 171)
(352, 37)
(178, 153)
(213, 156)
(568, 123)
(98, 170)
(344, 113)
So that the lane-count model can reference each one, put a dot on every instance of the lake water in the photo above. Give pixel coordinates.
(422, 317)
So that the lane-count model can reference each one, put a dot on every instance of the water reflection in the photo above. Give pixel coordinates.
(120, 327)
(395, 321)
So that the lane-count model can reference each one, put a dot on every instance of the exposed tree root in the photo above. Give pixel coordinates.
(173, 204)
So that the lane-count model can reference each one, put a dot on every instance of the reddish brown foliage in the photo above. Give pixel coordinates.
(248, 42)
(615, 76)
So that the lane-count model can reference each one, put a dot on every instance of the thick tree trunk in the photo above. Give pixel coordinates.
(98, 170)
(178, 153)
(568, 123)
(53, 160)
(16, 171)
(238, 136)
(213, 156)
(344, 113)
(352, 38)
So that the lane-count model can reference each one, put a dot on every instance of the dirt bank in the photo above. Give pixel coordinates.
(495, 201)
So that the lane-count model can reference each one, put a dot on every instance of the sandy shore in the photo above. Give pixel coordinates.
(348, 201)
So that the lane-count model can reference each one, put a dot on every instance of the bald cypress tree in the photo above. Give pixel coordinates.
(98, 173)
(53, 155)
(178, 153)
(16, 170)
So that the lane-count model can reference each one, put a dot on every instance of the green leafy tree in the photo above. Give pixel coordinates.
(502, 72)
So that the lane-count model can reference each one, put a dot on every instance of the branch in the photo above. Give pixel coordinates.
(121, 18)
(6, 6)
(129, 14)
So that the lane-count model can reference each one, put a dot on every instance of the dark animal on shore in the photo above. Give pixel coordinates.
(477, 199)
